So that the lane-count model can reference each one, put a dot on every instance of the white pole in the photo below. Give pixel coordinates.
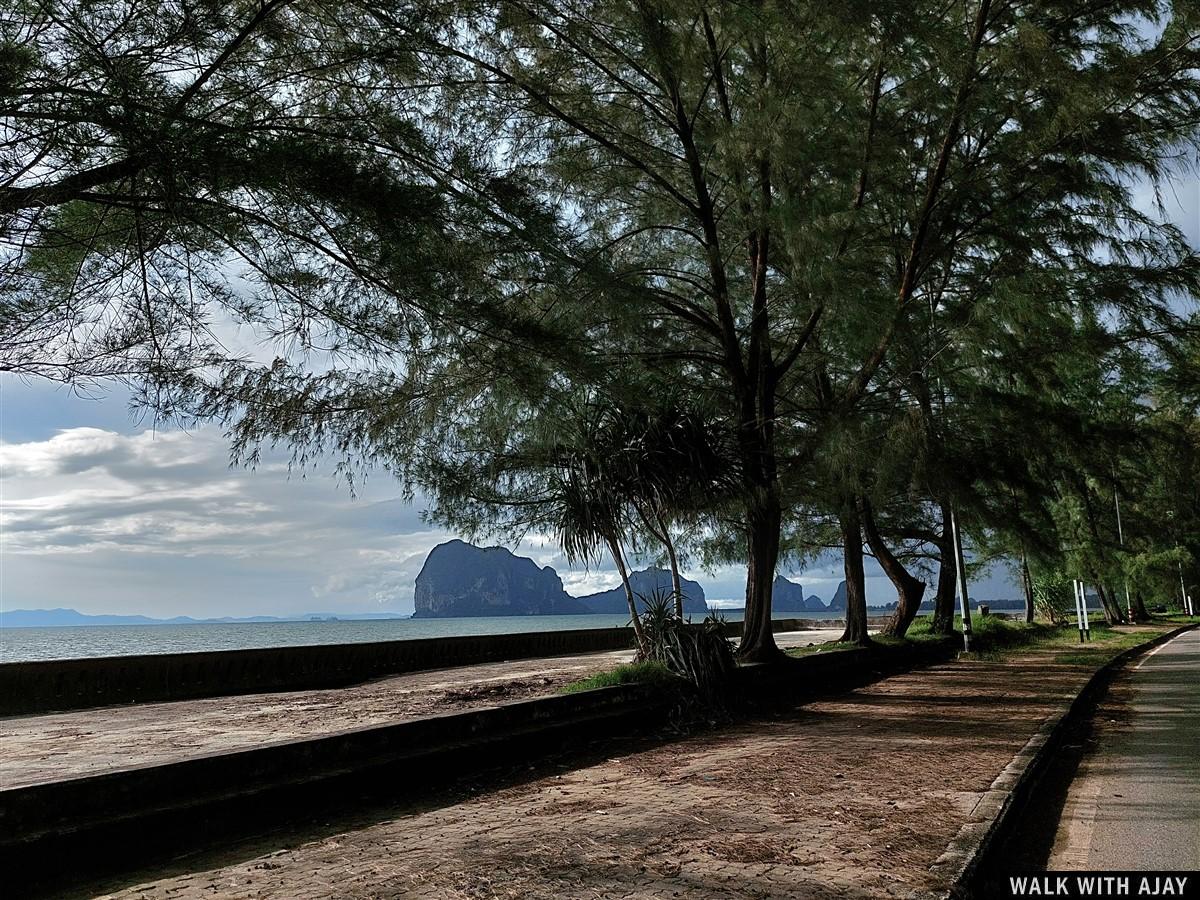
(964, 603)
(1187, 605)
(1078, 587)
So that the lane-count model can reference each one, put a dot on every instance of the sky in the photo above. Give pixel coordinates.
(104, 514)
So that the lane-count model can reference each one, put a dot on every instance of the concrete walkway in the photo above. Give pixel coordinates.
(1135, 802)
(35, 749)
(851, 797)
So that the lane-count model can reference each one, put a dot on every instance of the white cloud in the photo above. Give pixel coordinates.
(159, 523)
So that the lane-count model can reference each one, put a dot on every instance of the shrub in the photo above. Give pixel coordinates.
(1053, 596)
(700, 653)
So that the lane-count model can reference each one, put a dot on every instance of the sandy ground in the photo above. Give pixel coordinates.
(34, 749)
(852, 797)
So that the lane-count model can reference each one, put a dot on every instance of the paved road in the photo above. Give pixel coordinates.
(1135, 803)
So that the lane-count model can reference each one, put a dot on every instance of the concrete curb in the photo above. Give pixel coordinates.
(994, 814)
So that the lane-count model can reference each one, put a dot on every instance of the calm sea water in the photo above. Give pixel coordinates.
(75, 641)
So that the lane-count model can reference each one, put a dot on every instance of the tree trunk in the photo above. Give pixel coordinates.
(1027, 584)
(856, 588)
(1112, 612)
(673, 558)
(1140, 613)
(614, 548)
(909, 590)
(762, 552)
(947, 588)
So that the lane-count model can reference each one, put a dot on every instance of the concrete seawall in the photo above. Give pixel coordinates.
(28, 688)
(35, 687)
(121, 818)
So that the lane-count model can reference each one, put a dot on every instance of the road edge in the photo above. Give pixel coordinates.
(993, 814)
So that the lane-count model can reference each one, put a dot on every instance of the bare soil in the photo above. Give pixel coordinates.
(849, 797)
(35, 749)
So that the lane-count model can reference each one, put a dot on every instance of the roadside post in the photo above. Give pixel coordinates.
(1077, 586)
(964, 602)
(1087, 622)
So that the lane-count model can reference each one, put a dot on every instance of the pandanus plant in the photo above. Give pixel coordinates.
(675, 464)
(588, 517)
(700, 653)
(589, 496)
(629, 466)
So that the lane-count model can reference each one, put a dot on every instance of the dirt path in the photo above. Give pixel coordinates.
(851, 797)
(35, 749)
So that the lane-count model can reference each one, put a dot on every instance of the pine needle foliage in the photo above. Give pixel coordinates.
(866, 243)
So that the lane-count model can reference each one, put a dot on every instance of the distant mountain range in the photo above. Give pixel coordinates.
(47, 618)
(787, 596)
(647, 583)
(460, 579)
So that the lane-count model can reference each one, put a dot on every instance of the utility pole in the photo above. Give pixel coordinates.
(964, 603)
(1121, 536)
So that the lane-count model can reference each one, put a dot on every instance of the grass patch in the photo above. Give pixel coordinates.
(922, 626)
(1174, 618)
(630, 673)
(995, 639)
(1095, 654)
(923, 637)
(826, 647)
(992, 635)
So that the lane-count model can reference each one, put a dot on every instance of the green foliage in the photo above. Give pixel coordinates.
(1053, 597)
(655, 278)
(700, 653)
(646, 672)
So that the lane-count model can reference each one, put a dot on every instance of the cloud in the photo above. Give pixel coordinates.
(159, 522)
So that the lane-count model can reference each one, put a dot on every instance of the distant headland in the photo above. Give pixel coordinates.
(52, 618)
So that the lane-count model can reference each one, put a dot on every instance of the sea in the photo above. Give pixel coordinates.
(83, 641)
